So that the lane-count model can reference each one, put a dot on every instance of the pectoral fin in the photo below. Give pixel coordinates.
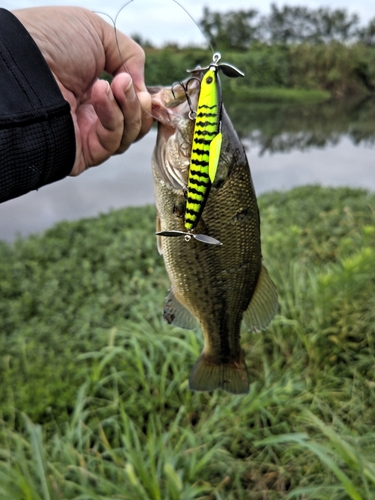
(214, 155)
(176, 314)
(263, 305)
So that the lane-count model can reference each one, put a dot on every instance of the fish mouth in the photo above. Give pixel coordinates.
(171, 109)
(170, 105)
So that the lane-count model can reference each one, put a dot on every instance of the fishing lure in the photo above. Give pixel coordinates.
(207, 138)
(206, 145)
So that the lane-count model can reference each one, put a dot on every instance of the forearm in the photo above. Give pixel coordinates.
(37, 139)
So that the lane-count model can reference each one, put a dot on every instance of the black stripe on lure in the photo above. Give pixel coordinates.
(206, 146)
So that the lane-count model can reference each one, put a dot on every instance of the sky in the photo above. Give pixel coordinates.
(162, 21)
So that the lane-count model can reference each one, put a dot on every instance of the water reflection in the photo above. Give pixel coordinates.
(285, 127)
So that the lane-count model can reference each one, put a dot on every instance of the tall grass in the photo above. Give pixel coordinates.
(95, 403)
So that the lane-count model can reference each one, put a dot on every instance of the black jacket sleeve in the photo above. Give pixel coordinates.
(37, 140)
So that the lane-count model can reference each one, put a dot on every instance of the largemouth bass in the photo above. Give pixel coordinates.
(215, 287)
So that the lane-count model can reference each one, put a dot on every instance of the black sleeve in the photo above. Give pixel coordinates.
(37, 140)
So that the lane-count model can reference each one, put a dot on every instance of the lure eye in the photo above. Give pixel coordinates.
(209, 79)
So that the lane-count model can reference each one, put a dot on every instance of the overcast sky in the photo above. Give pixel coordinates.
(163, 21)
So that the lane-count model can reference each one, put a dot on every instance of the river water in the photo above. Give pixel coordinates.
(332, 144)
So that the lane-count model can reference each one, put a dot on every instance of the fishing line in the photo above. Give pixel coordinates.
(192, 113)
(196, 24)
(114, 22)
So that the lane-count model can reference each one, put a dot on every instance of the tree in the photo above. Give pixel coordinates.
(287, 25)
(300, 24)
(231, 30)
(334, 25)
(367, 34)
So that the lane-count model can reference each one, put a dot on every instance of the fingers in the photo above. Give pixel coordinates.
(122, 117)
(147, 118)
(135, 109)
(125, 59)
(107, 133)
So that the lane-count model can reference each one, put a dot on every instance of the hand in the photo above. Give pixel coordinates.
(78, 45)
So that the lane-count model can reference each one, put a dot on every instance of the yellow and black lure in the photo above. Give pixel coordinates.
(206, 146)
(207, 139)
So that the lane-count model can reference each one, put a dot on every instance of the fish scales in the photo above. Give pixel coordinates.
(214, 287)
(221, 268)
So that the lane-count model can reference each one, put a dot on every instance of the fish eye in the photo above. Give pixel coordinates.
(179, 209)
(209, 79)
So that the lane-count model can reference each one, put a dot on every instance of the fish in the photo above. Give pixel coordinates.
(214, 287)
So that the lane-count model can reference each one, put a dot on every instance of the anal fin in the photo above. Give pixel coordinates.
(263, 305)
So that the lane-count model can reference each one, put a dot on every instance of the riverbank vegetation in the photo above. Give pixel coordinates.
(316, 52)
(329, 70)
(94, 399)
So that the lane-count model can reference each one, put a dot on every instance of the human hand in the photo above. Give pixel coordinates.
(78, 45)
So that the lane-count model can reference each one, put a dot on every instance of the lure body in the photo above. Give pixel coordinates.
(206, 147)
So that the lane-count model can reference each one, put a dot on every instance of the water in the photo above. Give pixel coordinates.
(332, 144)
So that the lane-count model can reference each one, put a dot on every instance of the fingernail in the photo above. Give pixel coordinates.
(129, 91)
(109, 92)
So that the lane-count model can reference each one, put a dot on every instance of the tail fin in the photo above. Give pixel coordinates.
(207, 376)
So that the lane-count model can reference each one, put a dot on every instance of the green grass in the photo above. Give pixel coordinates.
(94, 398)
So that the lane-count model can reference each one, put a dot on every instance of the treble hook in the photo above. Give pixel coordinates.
(173, 85)
(192, 113)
